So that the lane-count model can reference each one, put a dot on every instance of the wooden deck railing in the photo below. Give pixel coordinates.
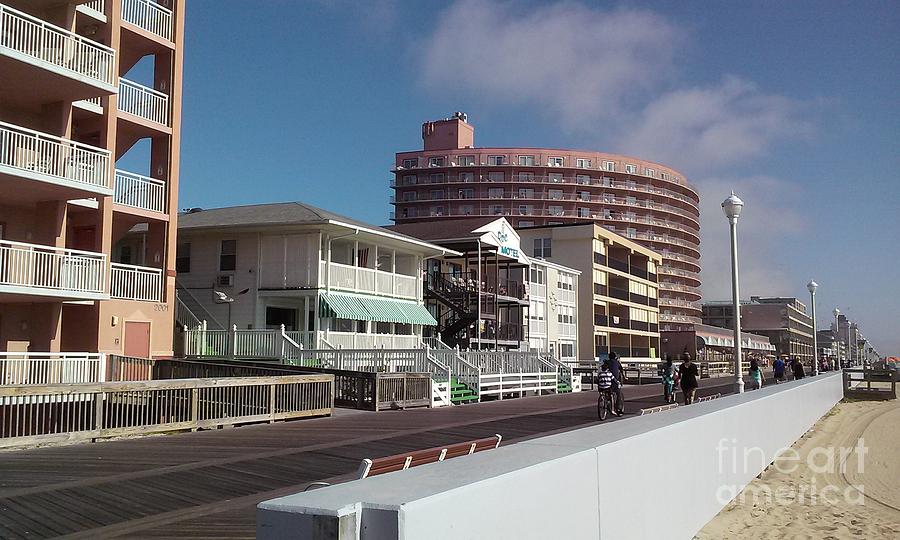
(37, 414)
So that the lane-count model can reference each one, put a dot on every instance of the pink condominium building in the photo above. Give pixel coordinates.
(649, 203)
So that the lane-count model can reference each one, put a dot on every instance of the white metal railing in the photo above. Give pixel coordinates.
(45, 267)
(358, 279)
(131, 282)
(51, 368)
(353, 340)
(566, 296)
(42, 41)
(377, 360)
(97, 5)
(35, 152)
(148, 15)
(143, 101)
(138, 191)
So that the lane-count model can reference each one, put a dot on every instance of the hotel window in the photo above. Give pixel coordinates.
(409, 180)
(584, 195)
(524, 209)
(436, 178)
(526, 161)
(526, 193)
(650, 172)
(411, 163)
(495, 193)
(497, 210)
(410, 212)
(664, 176)
(556, 210)
(466, 177)
(606, 181)
(537, 275)
(467, 193)
(631, 169)
(437, 194)
(639, 314)
(542, 247)
(466, 209)
(555, 194)
(227, 255)
(584, 212)
(183, 258)
(466, 161)
(409, 196)
(637, 288)
(526, 177)
(582, 163)
(555, 162)
(437, 210)
(436, 162)
(555, 178)
(609, 166)
(496, 176)
(582, 179)
(495, 160)
(523, 223)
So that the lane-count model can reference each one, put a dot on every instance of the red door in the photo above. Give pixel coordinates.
(137, 339)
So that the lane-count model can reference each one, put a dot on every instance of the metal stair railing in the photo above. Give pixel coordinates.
(197, 307)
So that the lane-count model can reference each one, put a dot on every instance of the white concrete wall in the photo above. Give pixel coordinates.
(628, 479)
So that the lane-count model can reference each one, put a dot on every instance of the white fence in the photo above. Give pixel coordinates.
(144, 102)
(131, 282)
(35, 152)
(376, 360)
(260, 343)
(368, 280)
(42, 41)
(33, 368)
(44, 267)
(138, 191)
(353, 340)
(148, 15)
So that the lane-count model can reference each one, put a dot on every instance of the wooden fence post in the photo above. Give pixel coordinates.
(195, 407)
(272, 399)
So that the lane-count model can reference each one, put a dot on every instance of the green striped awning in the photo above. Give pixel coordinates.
(371, 308)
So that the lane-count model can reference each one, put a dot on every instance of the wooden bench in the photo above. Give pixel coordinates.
(707, 398)
(401, 462)
(660, 408)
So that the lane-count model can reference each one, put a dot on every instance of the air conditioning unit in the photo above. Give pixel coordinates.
(225, 280)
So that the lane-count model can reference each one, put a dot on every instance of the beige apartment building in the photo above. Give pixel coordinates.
(81, 84)
(617, 290)
(553, 310)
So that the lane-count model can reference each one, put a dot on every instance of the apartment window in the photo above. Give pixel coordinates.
(555, 161)
(664, 176)
(565, 282)
(537, 275)
(437, 194)
(526, 161)
(436, 178)
(409, 196)
(584, 212)
(566, 315)
(526, 177)
(542, 247)
(183, 258)
(495, 160)
(227, 255)
(497, 209)
(555, 210)
(468, 193)
(609, 166)
(582, 179)
(496, 176)
(650, 172)
(582, 163)
(436, 162)
(606, 181)
(567, 350)
(555, 194)
(584, 195)
(437, 210)
(526, 193)
(524, 209)
(523, 223)
(411, 163)
(466, 161)
(630, 169)
(410, 212)
(466, 209)
(409, 180)
(495, 193)
(555, 178)
(466, 177)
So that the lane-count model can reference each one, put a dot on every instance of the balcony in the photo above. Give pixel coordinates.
(368, 280)
(143, 102)
(128, 282)
(41, 166)
(141, 192)
(42, 63)
(149, 16)
(601, 320)
(35, 270)
(537, 328)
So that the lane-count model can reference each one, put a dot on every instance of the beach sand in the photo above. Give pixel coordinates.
(845, 512)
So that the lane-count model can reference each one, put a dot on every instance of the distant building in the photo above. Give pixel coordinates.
(784, 320)
(617, 291)
(713, 347)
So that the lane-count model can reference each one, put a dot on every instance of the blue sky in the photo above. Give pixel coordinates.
(796, 107)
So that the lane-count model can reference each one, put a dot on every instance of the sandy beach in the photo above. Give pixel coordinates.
(855, 495)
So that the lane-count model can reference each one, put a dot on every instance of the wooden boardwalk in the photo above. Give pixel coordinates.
(207, 484)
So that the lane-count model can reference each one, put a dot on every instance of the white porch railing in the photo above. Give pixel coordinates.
(35, 152)
(51, 368)
(353, 340)
(380, 360)
(45, 267)
(148, 15)
(97, 5)
(368, 280)
(143, 101)
(29, 36)
(138, 191)
(131, 282)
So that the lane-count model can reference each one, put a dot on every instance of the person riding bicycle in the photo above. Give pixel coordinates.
(605, 384)
(615, 367)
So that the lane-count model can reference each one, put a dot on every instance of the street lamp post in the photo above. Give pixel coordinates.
(837, 337)
(732, 207)
(811, 287)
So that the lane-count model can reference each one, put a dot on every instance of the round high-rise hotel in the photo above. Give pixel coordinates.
(649, 203)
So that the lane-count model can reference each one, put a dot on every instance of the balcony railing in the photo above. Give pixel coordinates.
(139, 191)
(537, 327)
(143, 102)
(148, 15)
(34, 152)
(130, 282)
(368, 280)
(38, 40)
(45, 268)
(354, 340)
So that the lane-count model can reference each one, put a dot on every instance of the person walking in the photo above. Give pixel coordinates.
(756, 378)
(688, 376)
(797, 369)
(778, 370)
(668, 372)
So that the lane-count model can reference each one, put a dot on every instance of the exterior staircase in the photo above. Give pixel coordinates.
(460, 303)
(460, 393)
(192, 309)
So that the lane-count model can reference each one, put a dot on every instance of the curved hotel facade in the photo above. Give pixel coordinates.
(649, 203)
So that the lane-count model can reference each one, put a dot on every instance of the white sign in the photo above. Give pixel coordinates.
(500, 233)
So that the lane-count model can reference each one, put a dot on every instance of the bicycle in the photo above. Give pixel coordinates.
(605, 403)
